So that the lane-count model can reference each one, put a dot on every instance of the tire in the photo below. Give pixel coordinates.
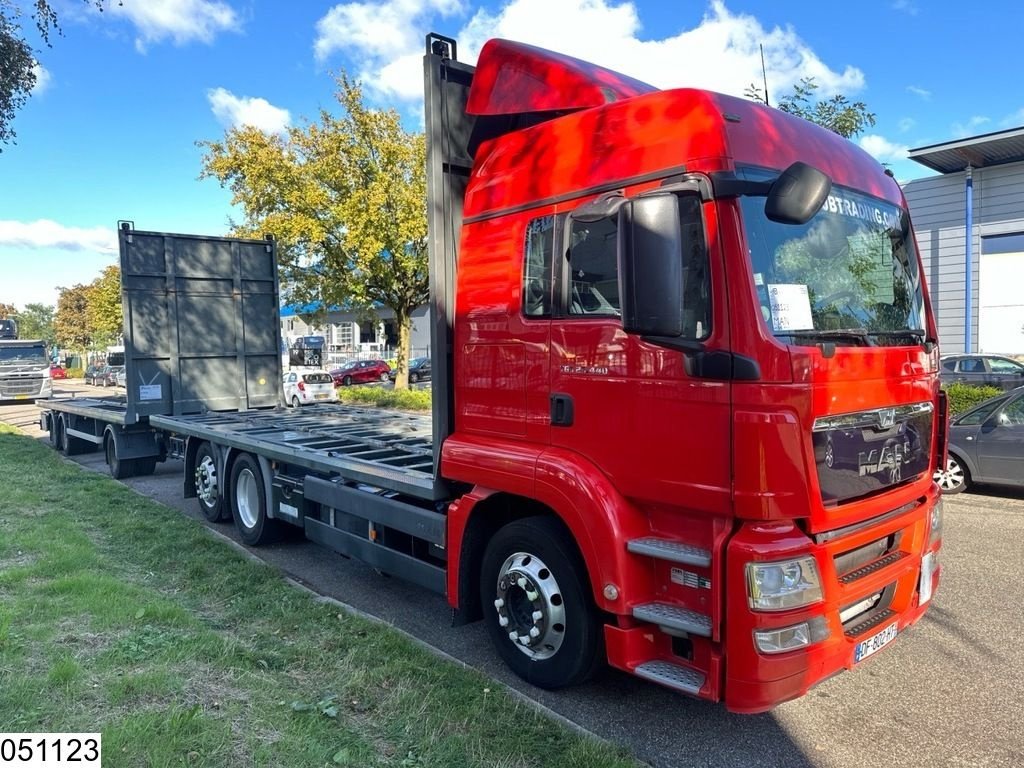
(249, 503)
(296, 403)
(384, 378)
(347, 381)
(69, 445)
(956, 477)
(413, 378)
(57, 433)
(209, 485)
(119, 468)
(536, 556)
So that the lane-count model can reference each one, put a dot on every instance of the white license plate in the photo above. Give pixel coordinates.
(875, 643)
(321, 397)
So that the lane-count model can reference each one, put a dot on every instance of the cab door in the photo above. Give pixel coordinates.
(630, 407)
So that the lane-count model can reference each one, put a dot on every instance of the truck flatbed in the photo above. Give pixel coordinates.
(109, 411)
(388, 449)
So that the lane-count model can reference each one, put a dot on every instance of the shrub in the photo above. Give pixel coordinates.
(75, 373)
(404, 399)
(963, 397)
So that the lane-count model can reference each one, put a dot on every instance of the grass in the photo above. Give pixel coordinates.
(404, 399)
(120, 615)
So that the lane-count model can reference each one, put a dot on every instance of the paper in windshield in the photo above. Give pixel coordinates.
(790, 306)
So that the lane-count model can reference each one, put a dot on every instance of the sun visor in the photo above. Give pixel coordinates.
(513, 78)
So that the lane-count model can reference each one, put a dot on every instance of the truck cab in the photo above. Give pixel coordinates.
(692, 332)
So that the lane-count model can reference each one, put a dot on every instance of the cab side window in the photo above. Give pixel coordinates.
(540, 242)
(593, 268)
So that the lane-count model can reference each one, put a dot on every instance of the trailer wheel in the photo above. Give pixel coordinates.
(537, 604)
(249, 503)
(70, 445)
(57, 433)
(209, 485)
(119, 468)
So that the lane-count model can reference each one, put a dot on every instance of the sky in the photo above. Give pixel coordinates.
(123, 96)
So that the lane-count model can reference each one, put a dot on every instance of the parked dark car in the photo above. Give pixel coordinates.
(101, 376)
(991, 370)
(986, 445)
(419, 370)
(360, 372)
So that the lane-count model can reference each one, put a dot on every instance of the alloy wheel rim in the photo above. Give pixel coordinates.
(951, 477)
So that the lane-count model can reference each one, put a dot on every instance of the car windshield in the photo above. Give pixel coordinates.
(849, 275)
(35, 355)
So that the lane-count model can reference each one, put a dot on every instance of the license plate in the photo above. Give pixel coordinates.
(321, 397)
(924, 589)
(875, 643)
(21, 397)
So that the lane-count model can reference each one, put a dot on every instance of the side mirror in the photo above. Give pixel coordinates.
(651, 271)
(797, 194)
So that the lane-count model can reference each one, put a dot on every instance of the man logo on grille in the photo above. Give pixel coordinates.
(886, 417)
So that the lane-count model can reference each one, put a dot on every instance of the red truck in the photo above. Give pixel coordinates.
(685, 376)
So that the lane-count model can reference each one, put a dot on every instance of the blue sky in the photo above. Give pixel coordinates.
(124, 95)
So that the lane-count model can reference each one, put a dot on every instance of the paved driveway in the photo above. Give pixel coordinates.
(950, 692)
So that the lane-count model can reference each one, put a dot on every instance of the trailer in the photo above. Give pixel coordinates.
(668, 329)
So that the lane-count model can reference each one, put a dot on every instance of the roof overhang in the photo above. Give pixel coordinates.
(977, 151)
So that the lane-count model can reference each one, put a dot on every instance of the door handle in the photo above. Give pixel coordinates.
(561, 410)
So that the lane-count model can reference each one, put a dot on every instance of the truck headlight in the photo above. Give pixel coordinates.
(935, 522)
(782, 585)
(791, 638)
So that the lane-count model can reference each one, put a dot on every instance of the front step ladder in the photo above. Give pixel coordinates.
(673, 619)
(674, 551)
(674, 676)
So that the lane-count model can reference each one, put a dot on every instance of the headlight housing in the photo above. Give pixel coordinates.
(935, 522)
(784, 584)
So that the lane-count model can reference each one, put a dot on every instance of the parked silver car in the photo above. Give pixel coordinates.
(986, 445)
(304, 388)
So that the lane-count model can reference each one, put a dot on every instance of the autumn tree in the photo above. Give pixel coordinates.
(7, 310)
(103, 307)
(838, 114)
(345, 196)
(36, 322)
(71, 322)
(18, 60)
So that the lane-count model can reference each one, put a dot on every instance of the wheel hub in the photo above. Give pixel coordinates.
(950, 477)
(530, 607)
(206, 481)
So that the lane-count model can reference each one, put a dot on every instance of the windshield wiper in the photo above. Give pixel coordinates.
(917, 333)
(858, 334)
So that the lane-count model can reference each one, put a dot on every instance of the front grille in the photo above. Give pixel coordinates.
(21, 386)
(866, 570)
(855, 558)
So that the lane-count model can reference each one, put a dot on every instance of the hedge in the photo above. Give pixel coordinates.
(963, 397)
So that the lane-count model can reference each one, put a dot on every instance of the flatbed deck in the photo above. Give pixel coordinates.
(388, 449)
(105, 410)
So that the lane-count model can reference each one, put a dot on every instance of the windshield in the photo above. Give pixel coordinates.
(849, 275)
(24, 355)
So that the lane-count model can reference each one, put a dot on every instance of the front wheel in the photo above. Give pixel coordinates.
(413, 378)
(384, 377)
(209, 485)
(955, 478)
(249, 503)
(537, 604)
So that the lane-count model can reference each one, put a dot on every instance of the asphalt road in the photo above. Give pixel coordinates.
(949, 692)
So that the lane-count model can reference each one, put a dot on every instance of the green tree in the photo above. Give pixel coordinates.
(104, 307)
(18, 69)
(838, 114)
(36, 322)
(345, 197)
(71, 321)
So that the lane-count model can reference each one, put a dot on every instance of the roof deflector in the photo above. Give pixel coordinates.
(513, 78)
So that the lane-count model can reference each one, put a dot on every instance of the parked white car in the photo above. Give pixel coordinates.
(306, 388)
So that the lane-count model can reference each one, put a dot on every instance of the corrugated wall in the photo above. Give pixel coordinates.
(937, 208)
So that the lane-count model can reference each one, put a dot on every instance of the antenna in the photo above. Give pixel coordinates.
(764, 75)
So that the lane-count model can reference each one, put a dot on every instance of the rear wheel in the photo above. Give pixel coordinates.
(537, 604)
(119, 468)
(209, 491)
(955, 478)
(249, 503)
(347, 381)
(414, 378)
(296, 403)
(69, 444)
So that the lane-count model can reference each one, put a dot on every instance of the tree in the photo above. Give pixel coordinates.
(71, 323)
(346, 199)
(103, 307)
(837, 114)
(36, 322)
(18, 73)
(7, 310)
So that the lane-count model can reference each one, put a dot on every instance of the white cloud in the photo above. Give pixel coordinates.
(883, 150)
(235, 111)
(909, 7)
(721, 53)
(1016, 120)
(969, 128)
(179, 20)
(43, 78)
(906, 123)
(923, 93)
(44, 233)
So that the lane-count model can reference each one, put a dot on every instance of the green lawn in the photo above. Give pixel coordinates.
(120, 615)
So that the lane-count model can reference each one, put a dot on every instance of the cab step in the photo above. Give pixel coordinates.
(674, 676)
(673, 619)
(674, 551)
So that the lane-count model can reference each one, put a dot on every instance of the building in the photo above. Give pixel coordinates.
(980, 190)
(350, 335)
